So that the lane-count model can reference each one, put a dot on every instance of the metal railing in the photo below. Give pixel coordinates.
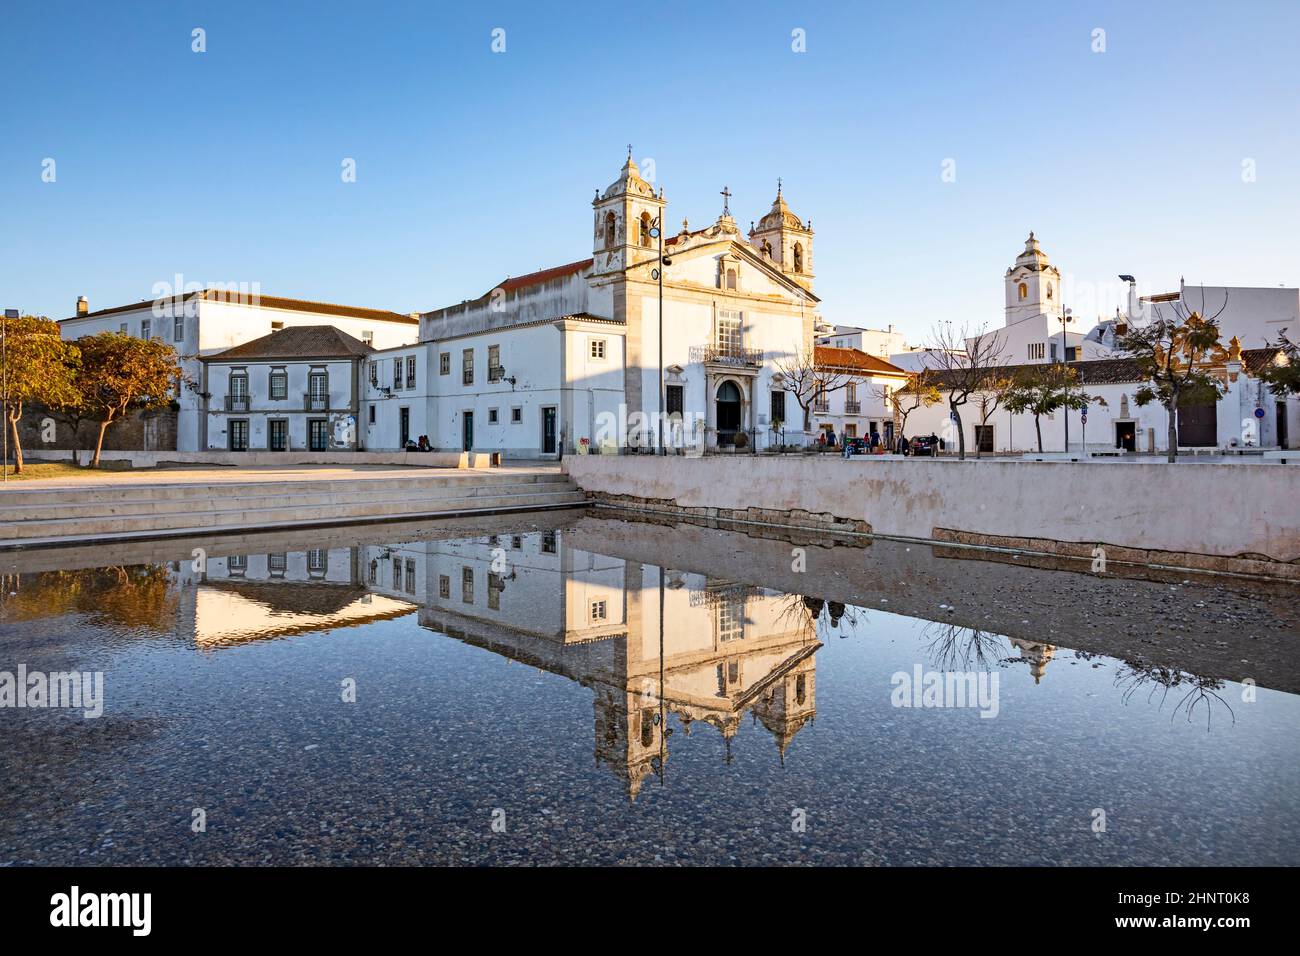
(236, 403)
(821, 406)
(852, 408)
(315, 403)
(732, 355)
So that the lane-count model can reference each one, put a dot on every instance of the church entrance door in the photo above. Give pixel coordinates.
(728, 412)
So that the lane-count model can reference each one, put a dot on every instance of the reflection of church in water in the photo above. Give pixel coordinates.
(651, 644)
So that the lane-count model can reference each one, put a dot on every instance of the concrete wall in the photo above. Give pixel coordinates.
(1224, 511)
(250, 459)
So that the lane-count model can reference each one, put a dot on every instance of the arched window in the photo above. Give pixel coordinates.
(1024, 291)
(645, 228)
(767, 249)
(731, 278)
(610, 222)
(798, 257)
(1049, 290)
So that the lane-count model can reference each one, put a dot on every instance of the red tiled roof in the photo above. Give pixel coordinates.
(830, 357)
(266, 301)
(544, 275)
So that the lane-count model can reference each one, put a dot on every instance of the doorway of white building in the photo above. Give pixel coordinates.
(728, 412)
(467, 431)
(1126, 435)
(549, 431)
(403, 427)
(318, 436)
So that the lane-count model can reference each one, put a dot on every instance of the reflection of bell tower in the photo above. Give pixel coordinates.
(786, 240)
(628, 736)
(789, 703)
(1038, 655)
(623, 216)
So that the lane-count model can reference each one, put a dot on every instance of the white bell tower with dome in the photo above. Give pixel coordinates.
(1033, 285)
(786, 240)
(623, 215)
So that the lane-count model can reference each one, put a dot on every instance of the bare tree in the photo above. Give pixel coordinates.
(990, 399)
(808, 381)
(967, 363)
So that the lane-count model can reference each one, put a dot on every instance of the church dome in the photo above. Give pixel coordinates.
(1033, 258)
(629, 181)
(780, 216)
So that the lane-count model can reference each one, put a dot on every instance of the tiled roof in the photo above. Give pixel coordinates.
(544, 275)
(296, 342)
(829, 357)
(265, 301)
(1116, 371)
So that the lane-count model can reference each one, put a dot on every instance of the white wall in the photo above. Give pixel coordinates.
(342, 402)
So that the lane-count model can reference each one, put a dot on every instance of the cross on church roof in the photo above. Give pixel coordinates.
(726, 200)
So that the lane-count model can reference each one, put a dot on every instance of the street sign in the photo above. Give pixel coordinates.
(1259, 413)
(11, 313)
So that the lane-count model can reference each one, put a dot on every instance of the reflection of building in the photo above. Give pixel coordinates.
(258, 596)
(716, 650)
(1038, 655)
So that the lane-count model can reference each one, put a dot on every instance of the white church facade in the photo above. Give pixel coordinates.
(570, 359)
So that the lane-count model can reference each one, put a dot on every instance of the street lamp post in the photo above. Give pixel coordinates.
(4, 384)
(1066, 316)
(656, 232)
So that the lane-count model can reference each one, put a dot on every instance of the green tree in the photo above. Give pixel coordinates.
(1171, 354)
(1283, 377)
(121, 374)
(1042, 390)
(40, 368)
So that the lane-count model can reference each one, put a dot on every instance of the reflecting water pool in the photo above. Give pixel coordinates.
(576, 689)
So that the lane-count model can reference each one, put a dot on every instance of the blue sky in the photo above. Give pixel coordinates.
(471, 165)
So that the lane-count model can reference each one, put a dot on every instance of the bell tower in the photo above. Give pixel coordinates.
(1033, 285)
(623, 216)
(786, 240)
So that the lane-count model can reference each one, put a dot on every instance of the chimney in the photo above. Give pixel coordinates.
(83, 306)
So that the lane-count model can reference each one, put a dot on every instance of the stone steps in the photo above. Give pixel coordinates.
(155, 491)
(65, 516)
(259, 495)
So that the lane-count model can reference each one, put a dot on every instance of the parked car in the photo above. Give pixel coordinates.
(925, 445)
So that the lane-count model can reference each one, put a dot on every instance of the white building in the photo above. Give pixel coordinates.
(297, 389)
(881, 343)
(1246, 414)
(203, 322)
(860, 408)
(569, 358)
(1255, 316)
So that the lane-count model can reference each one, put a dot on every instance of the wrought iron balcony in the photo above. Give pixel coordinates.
(316, 403)
(236, 403)
(732, 355)
(821, 406)
(852, 408)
